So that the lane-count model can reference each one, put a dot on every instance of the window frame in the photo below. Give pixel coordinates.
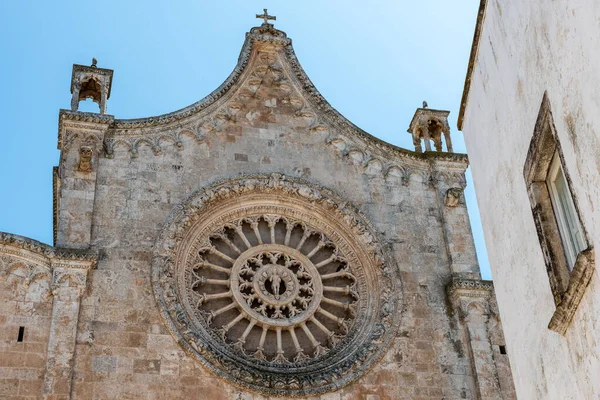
(565, 213)
(568, 275)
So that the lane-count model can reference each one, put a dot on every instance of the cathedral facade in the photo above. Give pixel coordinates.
(253, 245)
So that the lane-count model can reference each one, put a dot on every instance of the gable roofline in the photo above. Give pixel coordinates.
(262, 35)
(12, 241)
(472, 59)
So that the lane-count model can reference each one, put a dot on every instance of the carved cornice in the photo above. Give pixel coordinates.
(467, 295)
(578, 281)
(472, 59)
(470, 287)
(41, 261)
(9, 240)
(81, 121)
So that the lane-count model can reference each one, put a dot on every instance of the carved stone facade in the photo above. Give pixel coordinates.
(253, 245)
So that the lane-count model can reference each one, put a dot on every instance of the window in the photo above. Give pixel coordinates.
(564, 211)
(569, 259)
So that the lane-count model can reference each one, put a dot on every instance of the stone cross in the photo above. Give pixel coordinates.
(266, 17)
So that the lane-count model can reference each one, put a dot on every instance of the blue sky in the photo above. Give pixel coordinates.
(374, 62)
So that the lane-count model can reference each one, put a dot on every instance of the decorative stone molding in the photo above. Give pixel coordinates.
(85, 159)
(154, 141)
(276, 284)
(470, 287)
(578, 281)
(465, 293)
(41, 261)
(14, 244)
(73, 275)
(80, 124)
(453, 196)
(32, 270)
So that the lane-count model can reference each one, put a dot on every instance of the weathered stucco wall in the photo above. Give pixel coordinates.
(527, 48)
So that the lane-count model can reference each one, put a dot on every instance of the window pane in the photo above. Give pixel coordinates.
(564, 210)
(570, 213)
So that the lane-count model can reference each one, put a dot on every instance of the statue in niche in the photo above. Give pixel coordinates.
(85, 159)
(453, 196)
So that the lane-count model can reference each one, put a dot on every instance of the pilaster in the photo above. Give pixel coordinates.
(471, 300)
(80, 140)
(449, 181)
(69, 283)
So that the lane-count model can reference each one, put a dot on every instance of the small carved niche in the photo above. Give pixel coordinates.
(85, 159)
(91, 89)
(453, 197)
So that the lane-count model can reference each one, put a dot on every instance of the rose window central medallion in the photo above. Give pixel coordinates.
(276, 285)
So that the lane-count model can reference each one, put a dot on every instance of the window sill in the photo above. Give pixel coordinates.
(578, 281)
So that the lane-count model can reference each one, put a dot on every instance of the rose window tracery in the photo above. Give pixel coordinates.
(275, 288)
(275, 284)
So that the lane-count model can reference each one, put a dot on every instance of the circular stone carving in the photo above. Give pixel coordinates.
(275, 284)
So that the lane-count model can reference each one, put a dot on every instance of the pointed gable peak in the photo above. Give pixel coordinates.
(268, 84)
(266, 33)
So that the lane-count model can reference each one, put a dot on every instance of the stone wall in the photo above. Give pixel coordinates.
(123, 346)
(26, 306)
(40, 289)
(526, 49)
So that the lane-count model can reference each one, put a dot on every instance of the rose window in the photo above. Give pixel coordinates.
(276, 285)
(277, 289)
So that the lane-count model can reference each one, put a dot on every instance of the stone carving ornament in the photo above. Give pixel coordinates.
(276, 284)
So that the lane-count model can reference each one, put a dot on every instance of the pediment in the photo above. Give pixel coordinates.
(267, 86)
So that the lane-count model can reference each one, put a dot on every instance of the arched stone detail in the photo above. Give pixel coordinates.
(265, 256)
(398, 173)
(374, 167)
(356, 156)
